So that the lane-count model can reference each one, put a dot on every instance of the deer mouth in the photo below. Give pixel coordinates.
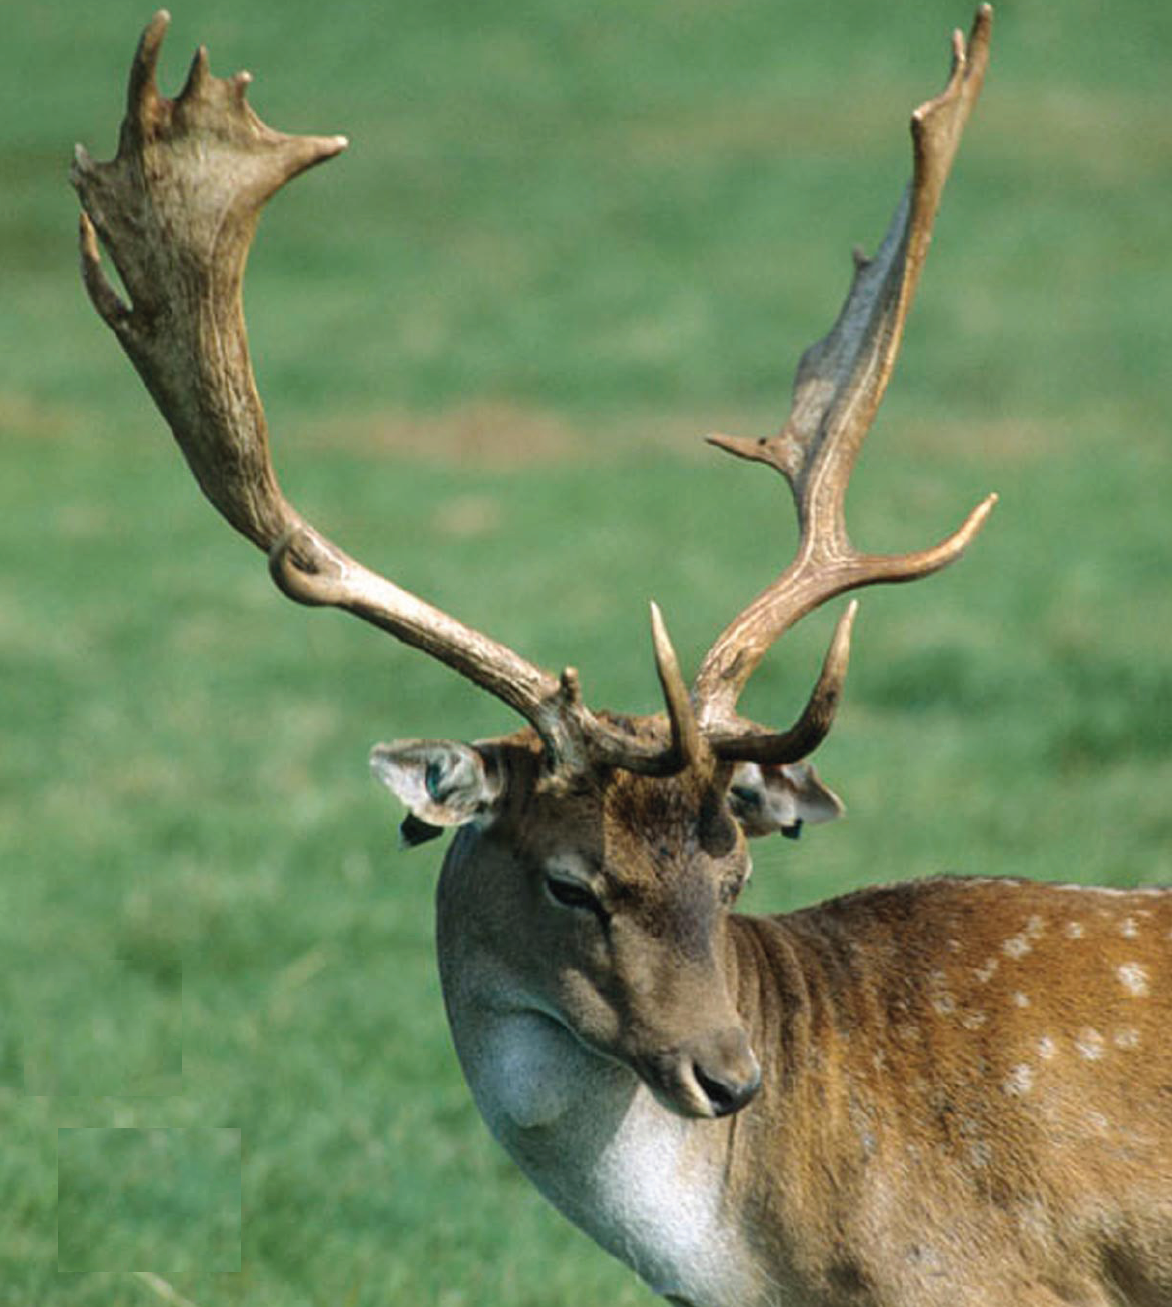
(712, 1079)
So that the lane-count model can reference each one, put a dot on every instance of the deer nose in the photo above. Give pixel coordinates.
(730, 1075)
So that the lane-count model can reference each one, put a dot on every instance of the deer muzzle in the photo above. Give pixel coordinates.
(712, 1076)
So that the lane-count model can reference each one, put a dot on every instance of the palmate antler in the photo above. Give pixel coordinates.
(177, 210)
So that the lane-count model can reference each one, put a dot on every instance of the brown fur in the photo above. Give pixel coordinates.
(968, 1094)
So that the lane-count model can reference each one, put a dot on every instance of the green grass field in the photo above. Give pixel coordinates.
(567, 241)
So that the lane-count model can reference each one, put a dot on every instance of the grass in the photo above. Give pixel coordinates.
(163, 1198)
(567, 241)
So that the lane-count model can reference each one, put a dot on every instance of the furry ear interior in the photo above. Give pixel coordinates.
(441, 782)
(780, 798)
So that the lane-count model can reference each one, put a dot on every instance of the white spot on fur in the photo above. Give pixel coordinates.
(942, 1001)
(1017, 946)
(1047, 1048)
(988, 971)
(1134, 979)
(974, 1020)
(1019, 1081)
(1128, 928)
(1089, 1043)
(1074, 930)
(1020, 999)
(980, 1154)
(1126, 1038)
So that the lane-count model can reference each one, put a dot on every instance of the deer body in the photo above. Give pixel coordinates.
(963, 1088)
(948, 1093)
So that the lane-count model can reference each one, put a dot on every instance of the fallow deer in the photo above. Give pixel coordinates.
(946, 1093)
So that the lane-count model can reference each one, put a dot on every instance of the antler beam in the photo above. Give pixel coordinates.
(839, 384)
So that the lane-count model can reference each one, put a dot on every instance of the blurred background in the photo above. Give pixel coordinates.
(567, 241)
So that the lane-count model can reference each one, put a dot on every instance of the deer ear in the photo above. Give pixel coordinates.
(780, 798)
(441, 782)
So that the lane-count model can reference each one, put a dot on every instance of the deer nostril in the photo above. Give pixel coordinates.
(726, 1094)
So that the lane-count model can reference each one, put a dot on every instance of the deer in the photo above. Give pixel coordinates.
(946, 1091)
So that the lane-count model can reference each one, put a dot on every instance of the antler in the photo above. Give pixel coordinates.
(840, 382)
(177, 209)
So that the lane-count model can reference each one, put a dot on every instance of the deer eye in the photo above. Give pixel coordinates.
(573, 894)
(746, 799)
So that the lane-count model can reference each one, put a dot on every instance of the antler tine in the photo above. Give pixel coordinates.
(743, 741)
(839, 384)
(686, 740)
(177, 209)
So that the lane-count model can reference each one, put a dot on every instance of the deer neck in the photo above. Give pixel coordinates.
(672, 1197)
(646, 1184)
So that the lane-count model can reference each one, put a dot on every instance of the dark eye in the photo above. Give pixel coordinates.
(573, 894)
(748, 800)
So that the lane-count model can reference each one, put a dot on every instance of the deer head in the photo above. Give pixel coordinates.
(598, 855)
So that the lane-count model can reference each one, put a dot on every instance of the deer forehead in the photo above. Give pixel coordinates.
(629, 826)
